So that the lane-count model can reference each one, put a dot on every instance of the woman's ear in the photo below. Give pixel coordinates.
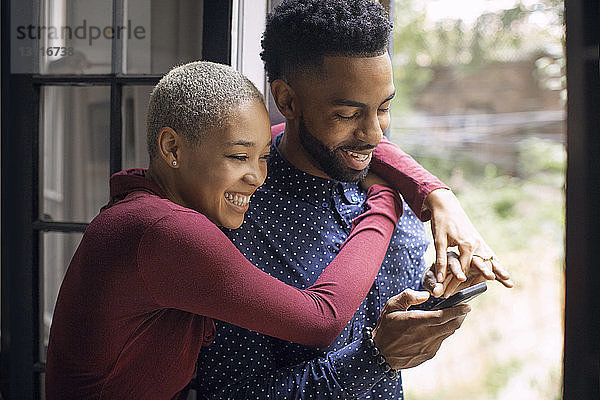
(285, 98)
(169, 145)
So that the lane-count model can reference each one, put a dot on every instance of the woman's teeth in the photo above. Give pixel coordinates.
(358, 156)
(238, 199)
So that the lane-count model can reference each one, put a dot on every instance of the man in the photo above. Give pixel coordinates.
(331, 78)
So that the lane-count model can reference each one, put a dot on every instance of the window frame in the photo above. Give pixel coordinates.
(21, 368)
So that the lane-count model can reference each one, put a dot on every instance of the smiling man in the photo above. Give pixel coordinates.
(331, 78)
(345, 110)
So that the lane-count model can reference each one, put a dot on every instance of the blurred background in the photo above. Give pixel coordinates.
(480, 102)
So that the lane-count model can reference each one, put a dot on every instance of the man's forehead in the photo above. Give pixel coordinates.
(349, 78)
(357, 64)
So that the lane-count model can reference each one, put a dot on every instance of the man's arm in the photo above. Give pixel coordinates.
(405, 339)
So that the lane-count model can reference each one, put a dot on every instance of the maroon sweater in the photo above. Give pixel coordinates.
(139, 296)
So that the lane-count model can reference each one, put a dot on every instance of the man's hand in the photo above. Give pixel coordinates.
(451, 227)
(409, 338)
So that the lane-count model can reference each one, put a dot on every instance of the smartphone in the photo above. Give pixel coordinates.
(457, 298)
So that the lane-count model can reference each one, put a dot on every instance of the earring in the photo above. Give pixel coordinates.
(174, 163)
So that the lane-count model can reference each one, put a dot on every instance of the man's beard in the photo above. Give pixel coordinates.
(330, 161)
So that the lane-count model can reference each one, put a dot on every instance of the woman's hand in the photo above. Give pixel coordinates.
(451, 227)
(451, 283)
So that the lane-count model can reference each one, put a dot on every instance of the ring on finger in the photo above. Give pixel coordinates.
(490, 258)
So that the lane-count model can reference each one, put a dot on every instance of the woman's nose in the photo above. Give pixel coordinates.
(255, 176)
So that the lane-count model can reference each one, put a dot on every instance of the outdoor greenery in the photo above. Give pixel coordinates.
(420, 45)
(510, 346)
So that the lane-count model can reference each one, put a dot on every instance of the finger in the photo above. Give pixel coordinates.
(431, 284)
(452, 288)
(455, 267)
(438, 290)
(484, 266)
(441, 247)
(407, 298)
(442, 317)
(499, 271)
(429, 280)
(466, 254)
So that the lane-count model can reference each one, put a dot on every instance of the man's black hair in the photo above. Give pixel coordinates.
(299, 33)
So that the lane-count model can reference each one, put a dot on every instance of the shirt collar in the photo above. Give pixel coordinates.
(306, 187)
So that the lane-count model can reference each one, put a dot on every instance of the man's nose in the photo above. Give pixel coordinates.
(371, 131)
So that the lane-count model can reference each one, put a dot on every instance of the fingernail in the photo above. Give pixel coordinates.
(440, 277)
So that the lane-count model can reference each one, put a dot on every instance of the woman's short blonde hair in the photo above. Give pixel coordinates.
(196, 98)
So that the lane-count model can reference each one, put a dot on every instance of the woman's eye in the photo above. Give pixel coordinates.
(266, 157)
(384, 110)
(239, 157)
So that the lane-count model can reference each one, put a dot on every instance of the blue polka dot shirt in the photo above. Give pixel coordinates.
(294, 228)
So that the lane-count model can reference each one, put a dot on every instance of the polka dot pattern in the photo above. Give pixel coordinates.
(294, 228)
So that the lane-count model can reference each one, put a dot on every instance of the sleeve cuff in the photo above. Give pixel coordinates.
(355, 368)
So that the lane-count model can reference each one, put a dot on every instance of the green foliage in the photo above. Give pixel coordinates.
(420, 45)
(517, 204)
(498, 376)
(538, 155)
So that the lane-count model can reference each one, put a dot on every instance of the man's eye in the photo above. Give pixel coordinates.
(239, 157)
(344, 117)
(384, 110)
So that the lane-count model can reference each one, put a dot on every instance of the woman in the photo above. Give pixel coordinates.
(153, 268)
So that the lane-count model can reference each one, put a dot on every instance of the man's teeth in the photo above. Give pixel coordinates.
(358, 156)
(238, 199)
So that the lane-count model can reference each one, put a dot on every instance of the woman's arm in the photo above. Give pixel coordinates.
(189, 264)
(405, 175)
(450, 224)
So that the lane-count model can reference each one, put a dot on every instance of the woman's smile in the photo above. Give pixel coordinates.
(238, 199)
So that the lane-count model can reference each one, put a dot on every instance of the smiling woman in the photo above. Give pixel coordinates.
(232, 164)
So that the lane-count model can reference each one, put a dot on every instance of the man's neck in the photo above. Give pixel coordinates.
(291, 149)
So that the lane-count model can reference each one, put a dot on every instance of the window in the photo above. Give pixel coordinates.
(480, 102)
(80, 75)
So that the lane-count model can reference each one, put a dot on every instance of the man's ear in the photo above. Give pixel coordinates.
(169, 146)
(286, 99)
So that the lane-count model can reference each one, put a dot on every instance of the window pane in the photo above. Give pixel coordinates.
(135, 104)
(75, 36)
(57, 250)
(480, 103)
(75, 144)
(175, 37)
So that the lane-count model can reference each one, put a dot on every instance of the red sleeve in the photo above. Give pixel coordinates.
(189, 264)
(277, 129)
(405, 175)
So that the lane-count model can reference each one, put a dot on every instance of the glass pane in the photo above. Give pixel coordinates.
(175, 37)
(75, 36)
(480, 103)
(57, 250)
(135, 104)
(75, 129)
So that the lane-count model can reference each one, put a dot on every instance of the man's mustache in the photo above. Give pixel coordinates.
(356, 147)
